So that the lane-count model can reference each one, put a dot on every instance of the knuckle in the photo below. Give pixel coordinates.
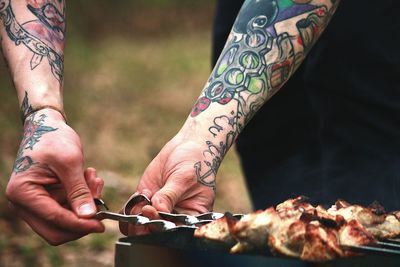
(65, 154)
(78, 192)
(12, 191)
(72, 157)
(169, 195)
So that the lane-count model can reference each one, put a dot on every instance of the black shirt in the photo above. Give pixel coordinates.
(333, 131)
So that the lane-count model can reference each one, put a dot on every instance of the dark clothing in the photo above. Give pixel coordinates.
(333, 131)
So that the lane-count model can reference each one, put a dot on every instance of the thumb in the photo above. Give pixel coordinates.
(166, 198)
(79, 196)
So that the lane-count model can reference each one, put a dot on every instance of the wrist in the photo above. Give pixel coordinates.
(217, 136)
(214, 122)
(53, 114)
(194, 130)
(41, 99)
(215, 129)
(29, 106)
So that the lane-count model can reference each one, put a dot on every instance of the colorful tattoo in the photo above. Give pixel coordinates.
(44, 36)
(34, 129)
(269, 40)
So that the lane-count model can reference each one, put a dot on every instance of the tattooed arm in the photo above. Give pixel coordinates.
(47, 187)
(32, 41)
(269, 40)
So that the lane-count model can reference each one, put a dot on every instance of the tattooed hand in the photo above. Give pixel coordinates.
(47, 188)
(170, 182)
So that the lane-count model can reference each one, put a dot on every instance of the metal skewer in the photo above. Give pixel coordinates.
(393, 241)
(372, 250)
(173, 222)
(389, 244)
(170, 221)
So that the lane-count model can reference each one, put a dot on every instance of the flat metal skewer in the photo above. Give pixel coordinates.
(385, 247)
(389, 245)
(393, 241)
(372, 250)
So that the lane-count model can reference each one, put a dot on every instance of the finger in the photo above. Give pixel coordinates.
(123, 228)
(151, 213)
(78, 192)
(57, 192)
(99, 187)
(132, 230)
(196, 204)
(147, 192)
(94, 183)
(59, 195)
(50, 233)
(167, 197)
(90, 178)
(127, 229)
(57, 215)
(136, 202)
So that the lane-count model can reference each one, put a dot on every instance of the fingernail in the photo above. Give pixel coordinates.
(146, 192)
(86, 209)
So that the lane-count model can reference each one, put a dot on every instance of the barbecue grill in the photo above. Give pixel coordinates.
(180, 248)
(175, 245)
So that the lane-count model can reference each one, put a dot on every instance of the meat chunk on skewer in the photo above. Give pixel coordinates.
(289, 243)
(295, 228)
(389, 228)
(321, 243)
(253, 229)
(381, 225)
(217, 230)
(293, 208)
(352, 233)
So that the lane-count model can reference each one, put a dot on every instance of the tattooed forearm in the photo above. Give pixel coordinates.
(214, 154)
(34, 129)
(269, 40)
(44, 36)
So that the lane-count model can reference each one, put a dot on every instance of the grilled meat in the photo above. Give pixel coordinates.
(381, 225)
(252, 230)
(289, 240)
(321, 243)
(352, 233)
(217, 230)
(295, 228)
(293, 208)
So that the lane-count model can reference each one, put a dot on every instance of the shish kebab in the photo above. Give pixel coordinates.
(295, 228)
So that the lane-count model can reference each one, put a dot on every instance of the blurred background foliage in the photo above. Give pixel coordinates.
(132, 72)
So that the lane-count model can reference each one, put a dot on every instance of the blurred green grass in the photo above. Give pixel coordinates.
(132, 72)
